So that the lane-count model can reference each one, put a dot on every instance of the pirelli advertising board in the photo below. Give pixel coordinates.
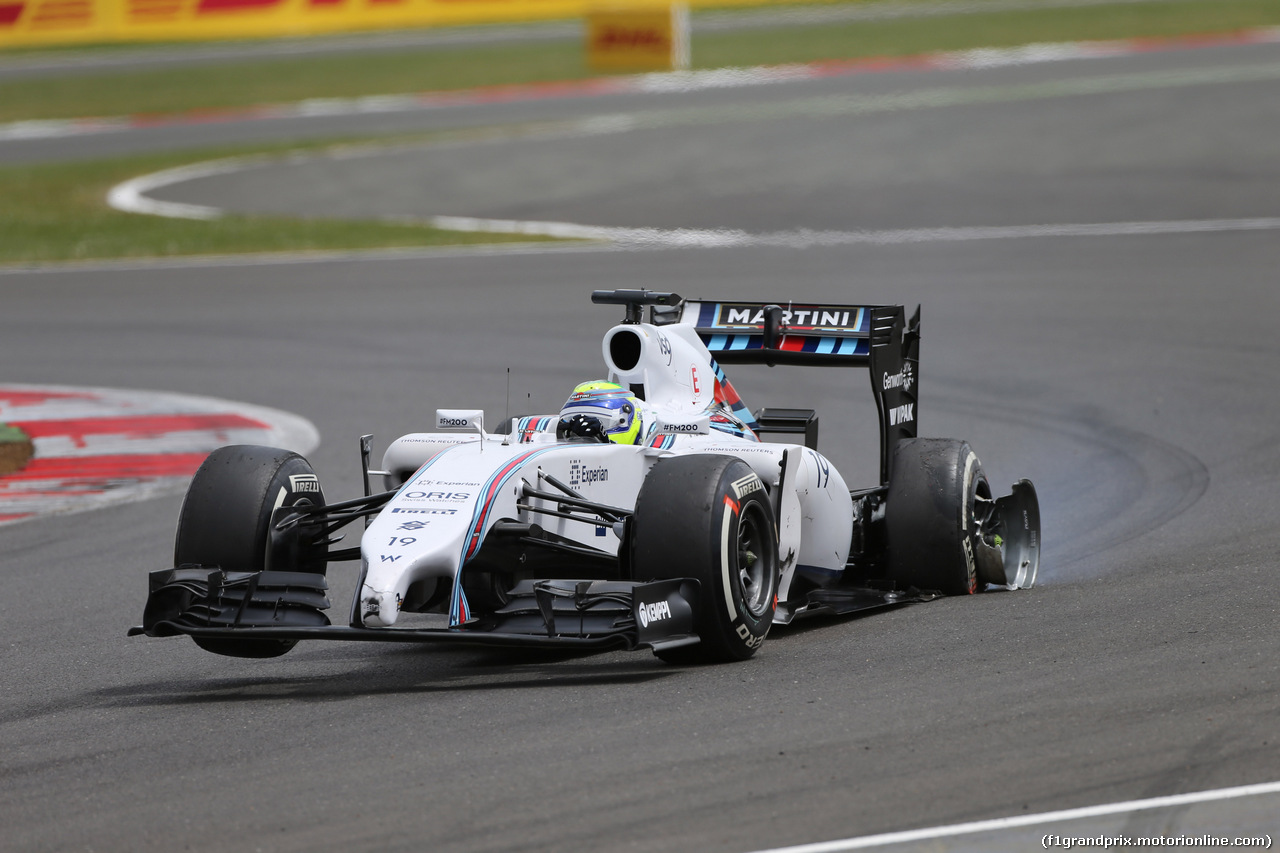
(42, 22)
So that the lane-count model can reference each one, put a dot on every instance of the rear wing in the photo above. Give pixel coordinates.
(878, 337)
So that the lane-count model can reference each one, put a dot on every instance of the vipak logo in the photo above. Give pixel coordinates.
(902, 414)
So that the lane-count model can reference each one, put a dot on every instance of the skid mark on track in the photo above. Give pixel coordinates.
(1124, 484)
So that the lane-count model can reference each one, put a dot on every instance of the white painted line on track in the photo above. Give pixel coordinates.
(890, 838)
(804, 239)
(131, 196)
(269, 259)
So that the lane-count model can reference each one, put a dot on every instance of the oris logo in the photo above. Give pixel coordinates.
(438, 496)
(902, 379)
(659, 611)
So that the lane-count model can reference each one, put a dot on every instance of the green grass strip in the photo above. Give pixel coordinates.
(912, 36)
(242, 83)
(58, 212)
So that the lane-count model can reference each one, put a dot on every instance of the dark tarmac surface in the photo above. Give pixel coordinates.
(1131, 377)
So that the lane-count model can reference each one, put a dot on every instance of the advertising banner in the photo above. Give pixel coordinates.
(47, 22)
(638, 38)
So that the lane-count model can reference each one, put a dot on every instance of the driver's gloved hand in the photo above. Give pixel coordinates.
(581, 426)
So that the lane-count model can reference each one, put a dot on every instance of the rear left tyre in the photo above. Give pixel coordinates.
(935, 488)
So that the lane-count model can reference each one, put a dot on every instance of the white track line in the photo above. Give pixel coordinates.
(132, 196)
(803, 239)
(889, 838)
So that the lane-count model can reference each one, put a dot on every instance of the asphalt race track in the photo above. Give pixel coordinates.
(1129, 372)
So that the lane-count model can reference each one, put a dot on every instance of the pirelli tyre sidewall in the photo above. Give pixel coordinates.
(929, 515)
(226, 518)
(709, 518)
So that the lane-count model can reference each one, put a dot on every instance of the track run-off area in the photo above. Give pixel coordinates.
(1094, 246)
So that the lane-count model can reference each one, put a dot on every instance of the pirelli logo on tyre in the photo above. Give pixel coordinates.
(746, 485)
(304, 482)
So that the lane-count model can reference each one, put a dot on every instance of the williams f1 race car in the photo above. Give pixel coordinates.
(650, 512)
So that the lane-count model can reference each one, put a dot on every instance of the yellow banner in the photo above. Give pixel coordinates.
(638, 38)
(45, 22)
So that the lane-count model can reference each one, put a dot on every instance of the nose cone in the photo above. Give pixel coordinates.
(379, 609)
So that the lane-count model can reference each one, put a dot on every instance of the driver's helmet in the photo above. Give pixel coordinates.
(616, 409)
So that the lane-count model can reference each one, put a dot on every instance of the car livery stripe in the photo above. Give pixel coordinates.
(791, 343)
(425, 465)
(707, 314)
(459, 611)
(529, 426)
(663, 442)
(726, 394)
(827, 344)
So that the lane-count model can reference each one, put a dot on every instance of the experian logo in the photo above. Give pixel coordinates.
(581, 475)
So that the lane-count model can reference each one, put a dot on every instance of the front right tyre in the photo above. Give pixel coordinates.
(709, 518)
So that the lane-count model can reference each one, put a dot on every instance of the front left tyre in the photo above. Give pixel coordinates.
(226, 519)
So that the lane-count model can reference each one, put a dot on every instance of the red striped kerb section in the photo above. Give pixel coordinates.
(99, 446)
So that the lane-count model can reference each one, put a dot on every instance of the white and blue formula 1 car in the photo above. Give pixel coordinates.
(649, 513)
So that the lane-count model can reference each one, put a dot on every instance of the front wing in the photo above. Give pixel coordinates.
(211, 604)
